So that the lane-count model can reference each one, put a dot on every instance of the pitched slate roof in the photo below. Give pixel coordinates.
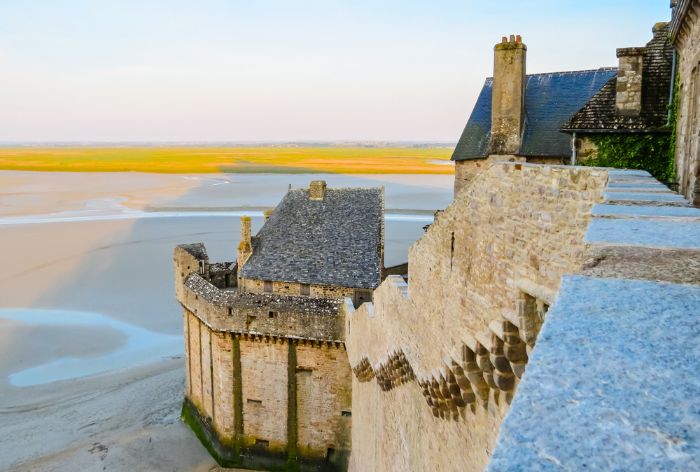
(599, 114)
(550, 100)
(337, 241)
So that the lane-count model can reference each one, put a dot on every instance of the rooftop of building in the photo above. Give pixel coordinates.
(550, 100)
(336, 240)
(599, 113)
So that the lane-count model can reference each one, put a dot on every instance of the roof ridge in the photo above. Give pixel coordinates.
(305, 189)
(565, 72)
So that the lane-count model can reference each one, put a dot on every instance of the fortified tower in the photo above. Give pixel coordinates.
(268, 379)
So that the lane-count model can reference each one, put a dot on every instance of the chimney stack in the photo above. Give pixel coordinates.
(317, 190)
(267, 213)
(245, 247)
(508, 96)
(628, 97)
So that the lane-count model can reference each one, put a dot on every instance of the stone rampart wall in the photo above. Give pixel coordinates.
(436, 364)
(261, 314)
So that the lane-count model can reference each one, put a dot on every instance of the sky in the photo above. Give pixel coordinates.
(281, 70)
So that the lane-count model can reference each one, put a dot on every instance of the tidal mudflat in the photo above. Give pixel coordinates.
(88, 318)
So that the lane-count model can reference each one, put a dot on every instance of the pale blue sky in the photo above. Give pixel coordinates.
(207, 70)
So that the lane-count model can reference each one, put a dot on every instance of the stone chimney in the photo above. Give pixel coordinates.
(317, 190)
(508, 96)
(245, 247)
(628, 97)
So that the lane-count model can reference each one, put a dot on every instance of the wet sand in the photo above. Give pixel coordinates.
(78, 248)
(126, 421)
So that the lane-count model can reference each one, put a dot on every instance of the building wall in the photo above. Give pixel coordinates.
(688, 127)
(324, 399)
(435, 367)
(264, 375)
(322, 386)
(293, 288)
(222, 370)
(466, 170)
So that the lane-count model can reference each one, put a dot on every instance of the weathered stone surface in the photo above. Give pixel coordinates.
(596, 399)
(649, 233)
(515, 222)
(462, 326)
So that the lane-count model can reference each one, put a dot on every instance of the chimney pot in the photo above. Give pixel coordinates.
(267, 213)
(512, 38)
(504, 40)
(317, 190)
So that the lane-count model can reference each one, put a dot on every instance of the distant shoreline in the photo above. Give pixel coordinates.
(227, 144)
(269, 158)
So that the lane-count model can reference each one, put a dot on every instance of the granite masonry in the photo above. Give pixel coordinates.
(560, 298)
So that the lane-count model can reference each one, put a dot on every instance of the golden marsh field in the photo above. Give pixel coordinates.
(266, 159)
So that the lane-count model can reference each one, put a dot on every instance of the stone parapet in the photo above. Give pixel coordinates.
(438, 362)
(285, 316)
(451, 347)
(615, 345)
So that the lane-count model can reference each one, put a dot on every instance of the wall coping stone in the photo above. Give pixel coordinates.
(612, 382)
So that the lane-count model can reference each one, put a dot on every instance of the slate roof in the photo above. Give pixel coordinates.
(599, 115)
(550, 100)
(337, 241)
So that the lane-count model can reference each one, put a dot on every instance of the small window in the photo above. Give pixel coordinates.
(249, 319)
(271, 314)
(254, 402)
(305, 289)
(230, 311)
(345, 413)
(267, 286)
(361, 296)
(330, 455)
(262, 443)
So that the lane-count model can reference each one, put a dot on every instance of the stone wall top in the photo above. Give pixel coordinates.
(262, 314)
(211, 294)
(612, 382)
